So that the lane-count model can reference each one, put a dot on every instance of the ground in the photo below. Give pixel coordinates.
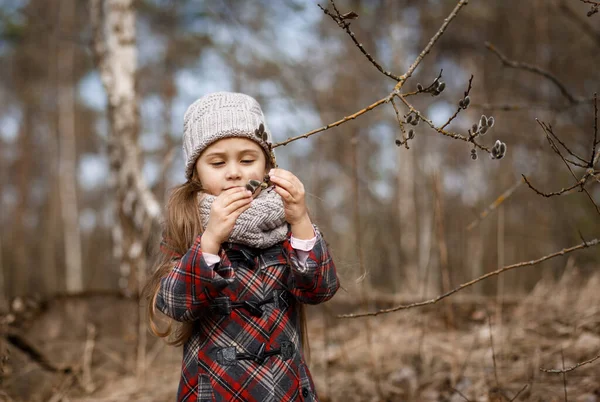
(440, 352)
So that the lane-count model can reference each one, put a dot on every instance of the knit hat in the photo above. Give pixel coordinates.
(222, 115)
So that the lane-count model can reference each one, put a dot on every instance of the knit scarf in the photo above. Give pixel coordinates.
(260, 226)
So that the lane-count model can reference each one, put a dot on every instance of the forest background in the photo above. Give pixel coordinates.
(404, 223)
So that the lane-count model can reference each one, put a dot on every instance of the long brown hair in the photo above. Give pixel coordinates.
(181, 227)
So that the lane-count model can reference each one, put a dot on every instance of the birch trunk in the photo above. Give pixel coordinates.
(136, 209)
(67, 178)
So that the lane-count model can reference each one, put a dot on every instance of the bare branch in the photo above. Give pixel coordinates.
(398, 86)
(565, 370)
(562, 191)
(595, 6)
(459, 108)
(439, 130)
(503, 197)
(404, 139)
(342, 21)
(499, 271)
(534, 69)
(548, 130)
(595, 130)
(337, 123)
(580, 22)
(519, 393)
(432, 42)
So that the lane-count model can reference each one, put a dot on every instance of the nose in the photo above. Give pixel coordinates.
(233, 172)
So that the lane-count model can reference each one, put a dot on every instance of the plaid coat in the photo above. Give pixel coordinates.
(246, 344)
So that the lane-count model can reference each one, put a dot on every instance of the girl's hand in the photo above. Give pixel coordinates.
(224, 211)
(291, 190)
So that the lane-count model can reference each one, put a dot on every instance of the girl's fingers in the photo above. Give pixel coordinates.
(234, 206)
(240, 194)
(287, 197)
(285, 184)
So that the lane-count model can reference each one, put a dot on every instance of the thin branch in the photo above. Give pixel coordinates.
(404, 139)
(432, 42)
(499, 271)
(595, 6)
(560, 192)
(398, 86)
(337, 123)
(519, 393)
(439, 130)
(534, 69)
(562, 356)
(460, 393)
(595, 130)
(565, 370)
(580, 22)
(341, 20)
(548, 130)
(503, 197)
(459, 108)
(493, 352)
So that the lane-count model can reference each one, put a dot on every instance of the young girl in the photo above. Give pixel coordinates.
(237, 265)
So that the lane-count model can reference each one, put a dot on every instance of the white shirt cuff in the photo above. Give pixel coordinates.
(211, 259)
(303, 245)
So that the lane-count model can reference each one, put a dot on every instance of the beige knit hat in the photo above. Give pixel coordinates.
(222, 115)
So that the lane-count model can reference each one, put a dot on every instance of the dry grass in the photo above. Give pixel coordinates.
(420, 357)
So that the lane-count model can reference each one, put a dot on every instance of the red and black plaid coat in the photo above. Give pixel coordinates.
(246, 344)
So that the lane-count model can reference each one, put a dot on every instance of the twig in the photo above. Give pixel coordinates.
(503, 197)
(404, 139)
(493, 351)
(439, 130)
(87, 382)
(549, 132)
(401, 80)
(460, 393)
(519, 393)
(432, 42)
(564, 251)
(580, 22)
(595, 130)
(593, 359)
(534, 69)
(337, 123)
(459, 108)
(342, 23)
(555, 193)
(595, 6)
(562, 356)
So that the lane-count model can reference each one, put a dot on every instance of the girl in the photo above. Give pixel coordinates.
(238, 264)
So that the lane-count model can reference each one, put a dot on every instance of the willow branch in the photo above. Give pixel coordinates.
(440, 130)
(337, 123)
(585, 244)
(342, 22)
(459, 108)
(432, 42)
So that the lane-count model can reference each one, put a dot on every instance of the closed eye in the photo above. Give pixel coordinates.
(247, 161)
(217, 163)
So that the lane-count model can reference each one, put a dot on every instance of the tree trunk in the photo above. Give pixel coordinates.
(68, 154)
(113, 24)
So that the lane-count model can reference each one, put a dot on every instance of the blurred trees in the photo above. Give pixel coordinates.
(306, 72)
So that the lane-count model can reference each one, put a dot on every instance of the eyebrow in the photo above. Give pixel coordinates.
(223, 153)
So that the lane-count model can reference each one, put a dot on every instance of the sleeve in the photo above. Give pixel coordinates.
(192, 283)
(316, 280)
(302, 248)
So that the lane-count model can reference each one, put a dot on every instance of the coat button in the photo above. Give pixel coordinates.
(305, 392)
